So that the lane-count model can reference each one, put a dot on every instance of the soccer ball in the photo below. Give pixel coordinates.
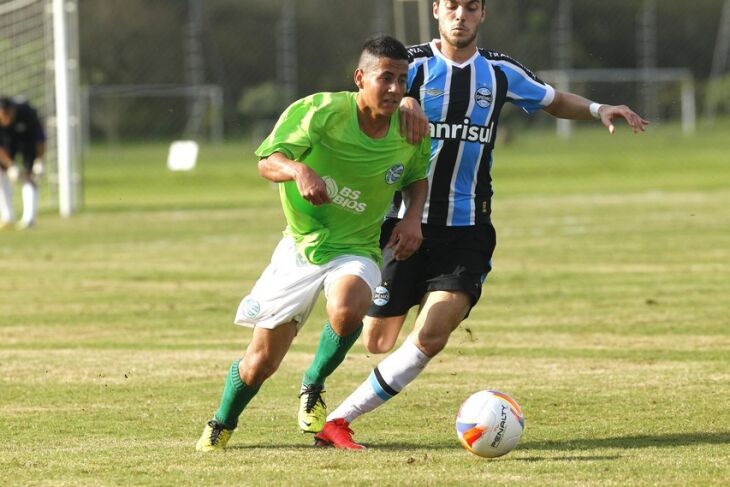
(489, 424)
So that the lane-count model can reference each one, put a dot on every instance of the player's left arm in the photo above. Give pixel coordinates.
(576, 107)
(406, 237)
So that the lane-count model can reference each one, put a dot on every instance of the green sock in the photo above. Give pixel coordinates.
(236, 395)
(331, 352)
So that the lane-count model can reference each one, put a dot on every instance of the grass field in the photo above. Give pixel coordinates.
(607, 317)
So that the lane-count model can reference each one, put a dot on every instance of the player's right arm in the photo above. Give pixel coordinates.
(295, 133)
(279, 169)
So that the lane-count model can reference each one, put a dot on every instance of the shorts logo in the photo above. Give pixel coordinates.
(394, 174)
(381, 296)
(301, 261)
(250, 307)
(483, 97)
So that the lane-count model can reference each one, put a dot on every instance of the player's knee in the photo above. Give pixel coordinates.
(255, 369)
(378, 343)
(342, 316)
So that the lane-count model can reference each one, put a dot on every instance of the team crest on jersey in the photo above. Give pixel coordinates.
(250, 307)
(483, 97)
(394, 174)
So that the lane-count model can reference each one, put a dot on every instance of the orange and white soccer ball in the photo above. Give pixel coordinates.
(489, 424)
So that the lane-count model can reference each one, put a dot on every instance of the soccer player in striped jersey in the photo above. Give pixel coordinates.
(462, 90)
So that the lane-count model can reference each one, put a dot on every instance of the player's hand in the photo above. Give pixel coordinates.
(311, 186)
(413, 122)
(12, 172)
(38, 168)
(609, 113)
(405, 238)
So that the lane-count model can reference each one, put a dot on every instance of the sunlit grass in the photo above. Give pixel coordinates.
(606, 317)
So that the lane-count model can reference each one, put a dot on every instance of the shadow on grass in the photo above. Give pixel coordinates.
(633, 441)
(281, 446)
(581, 444)
(589, 458)
(371, 446)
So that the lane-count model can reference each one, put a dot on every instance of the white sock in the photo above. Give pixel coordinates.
(391, 375)
(7, 213)
(30, 202)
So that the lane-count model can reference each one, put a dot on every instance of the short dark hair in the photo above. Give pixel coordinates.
(382, 45)
(6, 103)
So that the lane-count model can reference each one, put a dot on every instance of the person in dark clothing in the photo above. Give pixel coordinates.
(21, 133)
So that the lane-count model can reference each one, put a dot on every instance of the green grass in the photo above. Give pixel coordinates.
(606, 317)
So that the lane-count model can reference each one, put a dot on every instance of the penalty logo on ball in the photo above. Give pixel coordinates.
(489, 424)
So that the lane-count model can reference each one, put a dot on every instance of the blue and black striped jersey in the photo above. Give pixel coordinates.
(463, 103)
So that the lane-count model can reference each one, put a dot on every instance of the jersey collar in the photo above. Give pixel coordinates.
(437, 52)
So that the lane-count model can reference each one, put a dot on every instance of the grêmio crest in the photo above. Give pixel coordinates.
(394, 174)
(483, 97)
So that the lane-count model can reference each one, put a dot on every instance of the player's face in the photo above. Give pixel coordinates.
(382, 85)
(5, 119)
(459, 21)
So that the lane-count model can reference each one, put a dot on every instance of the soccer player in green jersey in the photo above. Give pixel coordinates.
(339, 159)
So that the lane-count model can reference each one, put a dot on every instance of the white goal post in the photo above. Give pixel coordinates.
(562, 80)
(39, 62)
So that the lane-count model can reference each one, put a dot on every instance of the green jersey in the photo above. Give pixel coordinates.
(361, 174)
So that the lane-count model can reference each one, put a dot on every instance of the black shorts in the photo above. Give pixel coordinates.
(450, 259)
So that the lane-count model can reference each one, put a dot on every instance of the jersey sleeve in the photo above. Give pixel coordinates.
(417, 167)
(294, 133)
(524, 89)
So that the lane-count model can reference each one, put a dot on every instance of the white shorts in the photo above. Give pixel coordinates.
(289, 286)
